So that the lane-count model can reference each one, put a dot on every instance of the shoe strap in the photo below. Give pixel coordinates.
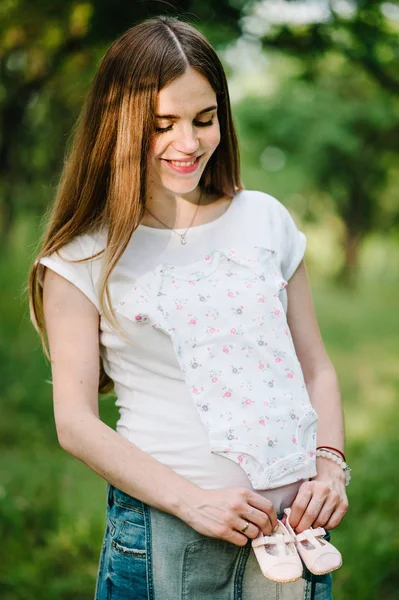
(310, 534)
(277, 538)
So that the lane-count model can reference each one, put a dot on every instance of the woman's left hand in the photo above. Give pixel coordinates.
(322, 501)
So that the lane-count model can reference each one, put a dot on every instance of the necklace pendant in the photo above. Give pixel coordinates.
(183, 239)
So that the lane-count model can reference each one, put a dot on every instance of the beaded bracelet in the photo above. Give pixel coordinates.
(338, 460)
(333, 449)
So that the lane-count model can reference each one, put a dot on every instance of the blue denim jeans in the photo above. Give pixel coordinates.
(150, 555)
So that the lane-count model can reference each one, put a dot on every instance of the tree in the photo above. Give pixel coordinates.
(364, 33)
(344, 141)
(338, 137)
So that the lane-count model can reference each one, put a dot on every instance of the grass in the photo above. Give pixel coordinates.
(52, 506)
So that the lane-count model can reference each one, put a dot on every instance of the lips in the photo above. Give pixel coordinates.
(180, 162)
(183, 166)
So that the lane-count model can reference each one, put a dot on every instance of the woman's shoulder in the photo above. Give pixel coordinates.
(84, 245)
(265, 203)
(84, 274)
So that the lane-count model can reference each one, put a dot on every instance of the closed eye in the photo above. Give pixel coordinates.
(204, 123)
(196, 123)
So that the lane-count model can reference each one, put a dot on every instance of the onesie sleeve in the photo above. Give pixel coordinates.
(292, 244)
(80, 274)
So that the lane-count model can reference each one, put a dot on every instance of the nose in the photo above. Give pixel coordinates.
(187, 141)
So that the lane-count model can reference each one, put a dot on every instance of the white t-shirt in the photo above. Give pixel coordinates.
(209, 382)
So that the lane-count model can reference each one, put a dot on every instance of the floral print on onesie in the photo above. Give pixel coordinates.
(235, 351)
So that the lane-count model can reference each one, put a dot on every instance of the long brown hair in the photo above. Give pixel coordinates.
(103, 182)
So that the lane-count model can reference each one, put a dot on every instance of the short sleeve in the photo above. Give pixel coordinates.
(292, 244)
(80, 274)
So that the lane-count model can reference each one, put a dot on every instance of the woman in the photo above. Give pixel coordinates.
(195, 296)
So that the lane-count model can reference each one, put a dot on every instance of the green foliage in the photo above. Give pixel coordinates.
(332, 141)
(337, 136)
(369, 537)
(365, 33)
(48, 553)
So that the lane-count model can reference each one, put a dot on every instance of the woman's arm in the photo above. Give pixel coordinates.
(72, 323)
(322, 501)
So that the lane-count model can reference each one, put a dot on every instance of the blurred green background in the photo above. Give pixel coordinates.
(315, 94)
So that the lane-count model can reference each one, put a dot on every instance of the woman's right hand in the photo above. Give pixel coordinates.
(223, 513)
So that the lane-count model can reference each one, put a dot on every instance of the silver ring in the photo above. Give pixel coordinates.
(243, 530)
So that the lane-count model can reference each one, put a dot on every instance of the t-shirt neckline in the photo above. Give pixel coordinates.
(200, 227)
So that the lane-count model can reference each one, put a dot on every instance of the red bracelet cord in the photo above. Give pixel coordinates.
(331, 448)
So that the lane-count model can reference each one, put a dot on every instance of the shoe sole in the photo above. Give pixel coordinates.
(283, 580)
(325, 572)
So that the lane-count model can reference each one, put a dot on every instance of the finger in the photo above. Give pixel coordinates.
(299, 505)
(260, 519)
(337, 515)
(264, 506)
(328, 508)
(235, 537)
(250, 530)
(324, 515)
(311, 513)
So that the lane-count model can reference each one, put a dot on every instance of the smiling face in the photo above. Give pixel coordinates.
(187, 135)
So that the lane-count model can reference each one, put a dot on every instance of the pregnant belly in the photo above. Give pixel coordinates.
(180, 441)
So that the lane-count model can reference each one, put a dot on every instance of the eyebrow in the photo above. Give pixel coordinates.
(205, 110)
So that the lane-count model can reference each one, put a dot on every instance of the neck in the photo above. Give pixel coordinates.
(175, 210)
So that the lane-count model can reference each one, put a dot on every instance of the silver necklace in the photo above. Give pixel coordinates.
(182, 235)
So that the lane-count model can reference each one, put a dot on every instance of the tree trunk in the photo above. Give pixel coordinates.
(7, 214)
(348, 274)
